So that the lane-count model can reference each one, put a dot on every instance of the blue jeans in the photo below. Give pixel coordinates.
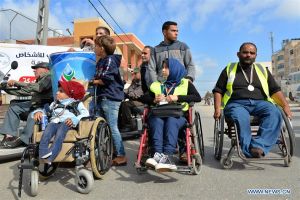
(52, 129)
(164, 132)
(110, 111)
(269, 128)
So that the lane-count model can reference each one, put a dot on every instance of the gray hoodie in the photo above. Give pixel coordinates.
(177, 50)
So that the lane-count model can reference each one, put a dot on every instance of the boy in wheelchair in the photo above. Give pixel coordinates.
(164, 130)
(66, 113)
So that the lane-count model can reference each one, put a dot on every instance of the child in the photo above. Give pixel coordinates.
(164, 130)
(110, 91)
(66, 113)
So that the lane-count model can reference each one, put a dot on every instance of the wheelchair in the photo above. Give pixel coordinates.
(90, 144)
(193, 143)
(224, 126)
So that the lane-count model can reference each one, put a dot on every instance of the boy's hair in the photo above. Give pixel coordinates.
(107, 42)
(167, 24)
(106, 30)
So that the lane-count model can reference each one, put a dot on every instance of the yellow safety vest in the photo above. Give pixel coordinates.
(262, 74)
(181, 89)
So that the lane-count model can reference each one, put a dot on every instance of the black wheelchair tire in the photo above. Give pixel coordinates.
(101, 148)
(104, 145)
(219, 137)
(291, 135)
(199, 133)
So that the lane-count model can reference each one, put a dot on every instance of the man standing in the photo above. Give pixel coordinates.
(145, 76)
(246, 88)
(40, 92)
(88, 44)
(170, 48)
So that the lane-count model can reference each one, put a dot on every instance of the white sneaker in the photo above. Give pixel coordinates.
(165, 165)
(47, 155)
(152, 162)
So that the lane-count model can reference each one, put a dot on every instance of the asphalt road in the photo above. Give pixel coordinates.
(212, 183)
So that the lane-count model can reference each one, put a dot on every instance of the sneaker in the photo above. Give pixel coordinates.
(47, 155)
(165, 164)
(11, 142)
(152, 162)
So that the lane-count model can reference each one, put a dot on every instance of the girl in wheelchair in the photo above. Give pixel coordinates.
(164, 128)
(66, 113)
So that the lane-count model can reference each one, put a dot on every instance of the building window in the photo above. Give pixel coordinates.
(280, 57)
(280, 66)
(291, 52)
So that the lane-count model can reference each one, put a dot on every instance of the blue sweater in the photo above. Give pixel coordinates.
(108, 72)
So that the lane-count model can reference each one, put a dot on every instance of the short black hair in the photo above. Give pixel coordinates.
(167, 24)
(106, 30)
(248, 43)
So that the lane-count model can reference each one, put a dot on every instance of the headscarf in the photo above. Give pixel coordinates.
(176, 73)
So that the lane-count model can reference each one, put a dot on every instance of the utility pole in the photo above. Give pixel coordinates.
(42, 23)
(271, 38)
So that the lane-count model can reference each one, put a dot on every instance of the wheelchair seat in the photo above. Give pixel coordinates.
(254, 121)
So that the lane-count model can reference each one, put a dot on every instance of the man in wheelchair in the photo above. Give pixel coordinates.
(40, 92)
(127, 107)
(163, 130)
(65, 113)
(247, 88)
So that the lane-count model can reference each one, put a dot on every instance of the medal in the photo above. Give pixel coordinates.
(250, 88)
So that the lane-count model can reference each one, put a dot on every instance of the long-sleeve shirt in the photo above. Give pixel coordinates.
(59, 114)
(40, 91)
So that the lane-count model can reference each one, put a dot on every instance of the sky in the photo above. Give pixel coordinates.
(213, 29)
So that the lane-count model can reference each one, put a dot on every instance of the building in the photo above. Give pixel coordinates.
(127, 44)
(286, 66)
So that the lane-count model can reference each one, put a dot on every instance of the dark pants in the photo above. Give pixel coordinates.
(164, 133)
(12, 120)
(126, 110)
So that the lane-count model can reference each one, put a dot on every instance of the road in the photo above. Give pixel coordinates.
(212, 183)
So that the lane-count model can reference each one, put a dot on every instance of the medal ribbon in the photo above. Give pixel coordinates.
(245, 75)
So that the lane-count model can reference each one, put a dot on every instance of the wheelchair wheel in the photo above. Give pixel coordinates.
(199, 132)
(226, 163)
(101, 149)
(219, 137)
(288, 134)
(46, 170)
(34, 182)
(84, 181)
(196, 164)
(287, 161)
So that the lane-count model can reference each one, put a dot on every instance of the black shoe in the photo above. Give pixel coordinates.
(10, 144)
(125, 129)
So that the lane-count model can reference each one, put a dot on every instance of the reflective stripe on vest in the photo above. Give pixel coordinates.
(181, 89)
(261, 72)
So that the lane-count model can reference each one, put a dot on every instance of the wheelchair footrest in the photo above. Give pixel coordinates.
(26, 166)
